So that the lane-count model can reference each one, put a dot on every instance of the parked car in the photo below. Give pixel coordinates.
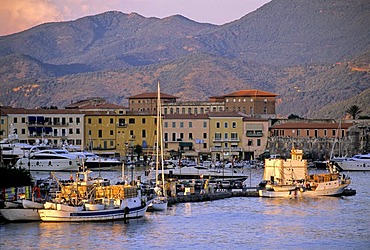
(225, 184)
(238, 184)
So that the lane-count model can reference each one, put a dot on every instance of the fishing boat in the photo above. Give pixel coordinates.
(87, 200)
(160, 202)
(24, 210)
(290, 178)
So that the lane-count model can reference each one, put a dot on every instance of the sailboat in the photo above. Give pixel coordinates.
(160, 202)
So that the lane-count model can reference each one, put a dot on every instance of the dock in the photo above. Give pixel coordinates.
(246, 192)
(222, 194)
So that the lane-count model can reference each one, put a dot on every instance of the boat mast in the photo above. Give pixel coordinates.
(159, 125)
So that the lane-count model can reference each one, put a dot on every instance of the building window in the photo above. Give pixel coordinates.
(218, 125)
(183, 110)
(23, 131)
(204, 135)
(70, 131)
(226, 125)
(166, 124)
(234, 124)
(15, 120)
(190, 124)
(265, 110)
(298, 132)
(189, 110)
(204, 124)
(333, 132)
(226, 136)
(325, 132)
(191, 136)
(78, 142)
(316, 133)
(89, 121)
(195, 110)
(111, 121)
(100, 121)
(131, 121)
(143, 133)
(23, 119)
(100, 133)
(307, 132)
(181, 124)
(174, 124)
(110, 132)
(70, 119)
(88, 133)
(78, 131)
(143, 121)
(217, 136)
(181, 136)
(258, 142)
(173, 136)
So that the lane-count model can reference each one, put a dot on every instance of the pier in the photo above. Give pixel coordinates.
(197, 197)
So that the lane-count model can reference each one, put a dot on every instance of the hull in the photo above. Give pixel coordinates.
(47, 165)
(32, 204)
(279, 194)
(20, 214)
(159, 204)
(84, 216)
(353, 166)
(195, 173)
(102, 165)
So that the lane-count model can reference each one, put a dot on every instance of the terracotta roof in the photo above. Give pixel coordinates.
(225, 114)
(311, 125)
(40, 111)
(186, 116)
(152, 95)
(247, 92)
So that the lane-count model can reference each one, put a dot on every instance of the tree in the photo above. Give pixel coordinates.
(138, 150)
(292, 116)
(354, 110)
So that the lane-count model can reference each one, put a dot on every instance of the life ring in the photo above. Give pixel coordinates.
(36, 190)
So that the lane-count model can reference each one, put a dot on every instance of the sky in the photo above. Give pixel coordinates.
(19, 15)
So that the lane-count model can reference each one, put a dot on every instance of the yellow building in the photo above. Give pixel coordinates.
(226, 131)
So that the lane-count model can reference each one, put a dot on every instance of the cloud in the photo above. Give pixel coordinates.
(18, 15)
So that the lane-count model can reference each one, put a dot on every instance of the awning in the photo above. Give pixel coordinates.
(190, 153)
(186, 144)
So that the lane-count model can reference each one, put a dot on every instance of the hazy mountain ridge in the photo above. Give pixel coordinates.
(298, 49)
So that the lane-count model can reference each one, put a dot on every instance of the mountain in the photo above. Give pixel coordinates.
(313, 54)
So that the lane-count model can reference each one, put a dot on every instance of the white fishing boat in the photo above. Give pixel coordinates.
(290, 178)
(77, 201)
(20, 214)
(24, 210)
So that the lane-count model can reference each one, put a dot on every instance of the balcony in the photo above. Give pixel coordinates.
(226, 140)
(229, 149)
(254, 134)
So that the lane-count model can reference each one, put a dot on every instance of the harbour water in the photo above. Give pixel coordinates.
(233, 223)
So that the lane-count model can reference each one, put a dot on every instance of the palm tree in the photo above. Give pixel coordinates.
(354, 110)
